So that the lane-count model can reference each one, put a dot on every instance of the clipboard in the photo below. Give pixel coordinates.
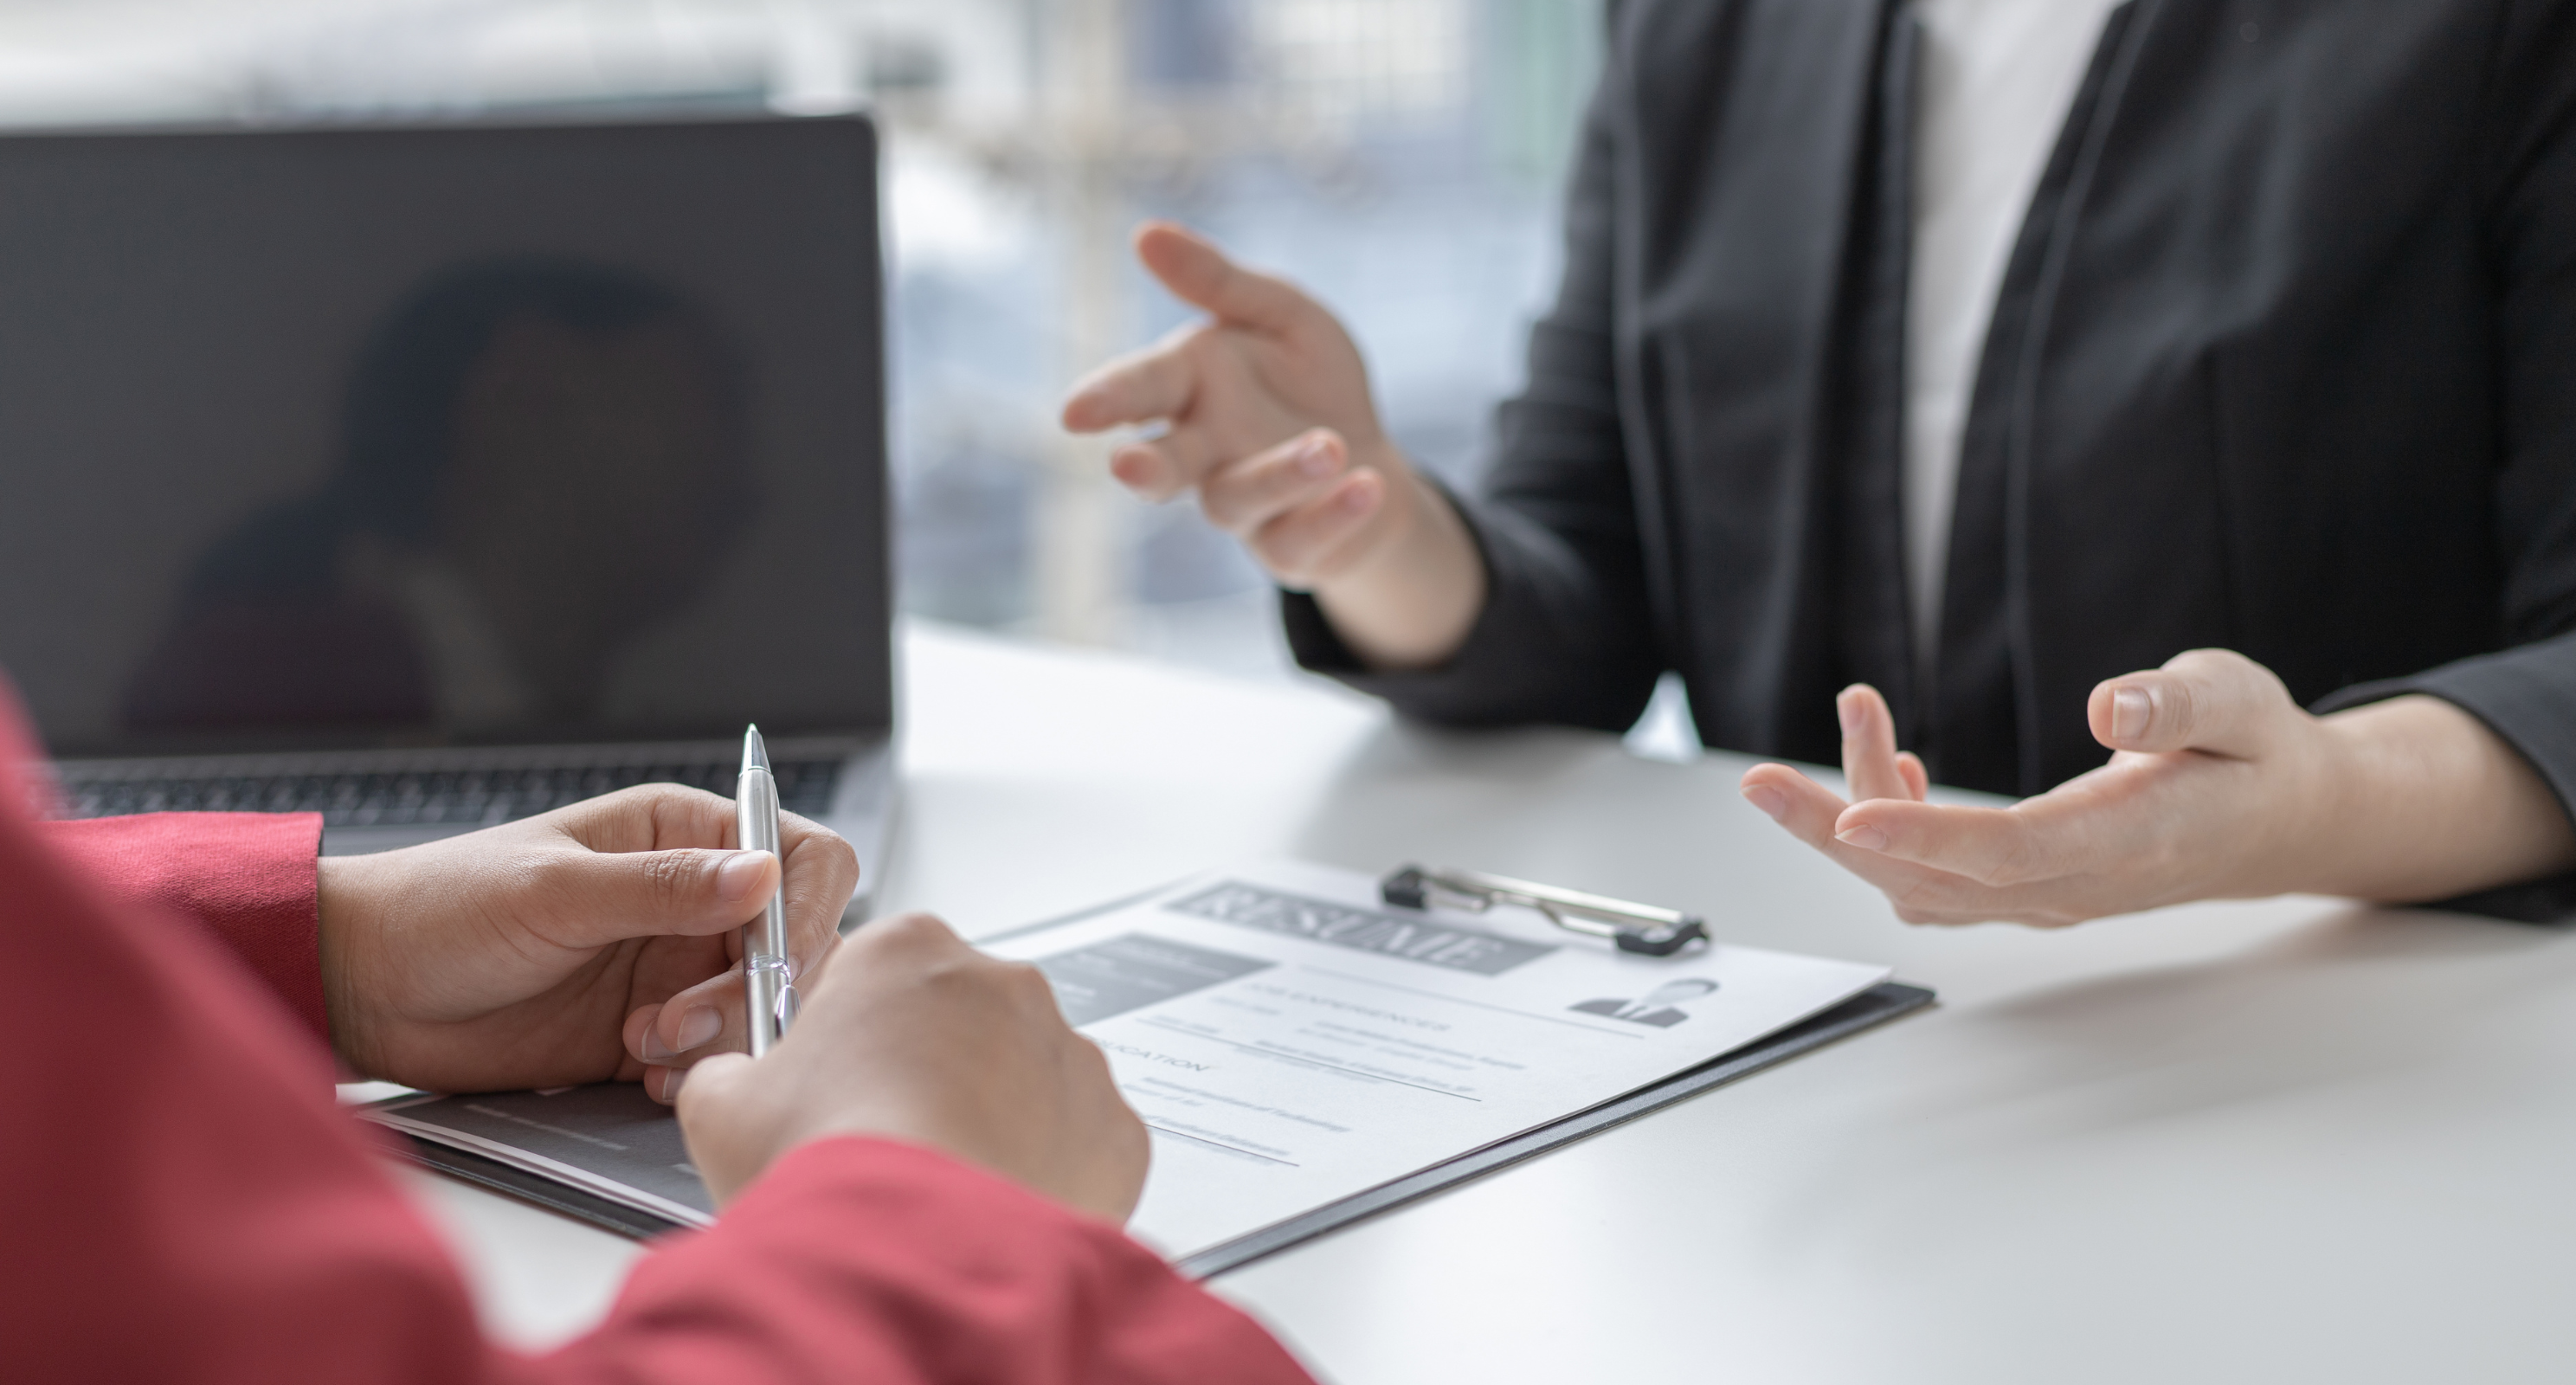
(1870, 1008)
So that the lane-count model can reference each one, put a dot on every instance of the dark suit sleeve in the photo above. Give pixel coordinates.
(1566, 634)
(2526, 693)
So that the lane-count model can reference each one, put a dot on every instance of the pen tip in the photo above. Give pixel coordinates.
(755, 751)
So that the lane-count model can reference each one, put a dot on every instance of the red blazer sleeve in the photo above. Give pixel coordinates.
(869, 1260)
(181, 1201)
(248, 878)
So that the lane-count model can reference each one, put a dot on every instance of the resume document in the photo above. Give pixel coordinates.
(1291, 1041)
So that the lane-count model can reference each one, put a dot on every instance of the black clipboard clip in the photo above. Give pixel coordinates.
(1639, 928)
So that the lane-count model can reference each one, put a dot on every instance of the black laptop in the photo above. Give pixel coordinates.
(433, 477)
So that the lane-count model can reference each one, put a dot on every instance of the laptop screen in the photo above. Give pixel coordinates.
(458, 435)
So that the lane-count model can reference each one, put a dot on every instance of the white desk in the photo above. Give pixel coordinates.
(2284, 1141)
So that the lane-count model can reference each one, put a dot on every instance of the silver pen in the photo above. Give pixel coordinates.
(769, 991)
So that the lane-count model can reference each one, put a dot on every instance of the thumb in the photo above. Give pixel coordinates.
(609, 896)
(2212, 700)
(1200, 275)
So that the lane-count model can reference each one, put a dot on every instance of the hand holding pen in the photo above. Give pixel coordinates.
(711, 1012)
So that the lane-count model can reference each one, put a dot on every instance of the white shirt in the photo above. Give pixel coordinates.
(1997, 77)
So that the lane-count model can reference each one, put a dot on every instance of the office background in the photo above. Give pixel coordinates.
(1402, 158)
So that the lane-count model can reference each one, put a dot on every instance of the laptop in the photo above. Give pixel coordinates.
(433, 477)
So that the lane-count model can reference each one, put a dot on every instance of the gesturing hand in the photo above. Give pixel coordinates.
(589, 944)
(1266, 415)
(909, 1033)
(2220, 787)
(2216, 777)
(1266, 411)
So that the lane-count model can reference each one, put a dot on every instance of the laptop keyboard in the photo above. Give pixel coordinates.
(477, 798)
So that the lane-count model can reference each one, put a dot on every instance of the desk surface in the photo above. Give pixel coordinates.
(2286, 1140)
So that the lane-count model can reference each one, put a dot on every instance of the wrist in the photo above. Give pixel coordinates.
(337, 906)
(1376, 564)
(2329, 819)
(2430, 804)
(1409, 599)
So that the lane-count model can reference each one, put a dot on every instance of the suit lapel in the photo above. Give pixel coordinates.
(1755, 126)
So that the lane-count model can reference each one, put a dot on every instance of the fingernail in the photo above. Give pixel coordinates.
(697, 1027)
(1315, 458)
(2131, 709)
(653, 1050)
(1866, 837)
(741, 874)
(1355, 500)
(671, 1080)
(1768, 800)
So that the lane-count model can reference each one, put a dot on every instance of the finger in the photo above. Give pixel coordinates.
(1199, 274)
(663, 1084)
(651, 867)
(1992, 846)
(591, 898)
(886, 954)
(1304, 544)
(1920, 894)
(1157, 469)
(1807, 810)
(822, 873)
(2212, 700)
(1157, 382)
(709, 1017)
(639, 1025)
(647, 817)
(705, 1018)
(897, 945)
(663, 1074)
(1869, 744)
(1918, 780)
(1239, 499)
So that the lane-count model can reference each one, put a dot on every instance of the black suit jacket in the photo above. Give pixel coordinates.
(2284, 361)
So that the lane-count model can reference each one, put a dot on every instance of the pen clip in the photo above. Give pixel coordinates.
(769, 1000)
(1640, 928)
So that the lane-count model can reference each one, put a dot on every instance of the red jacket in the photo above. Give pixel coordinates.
(181, 1200)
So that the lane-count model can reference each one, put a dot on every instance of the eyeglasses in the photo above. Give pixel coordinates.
(1640, 928)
